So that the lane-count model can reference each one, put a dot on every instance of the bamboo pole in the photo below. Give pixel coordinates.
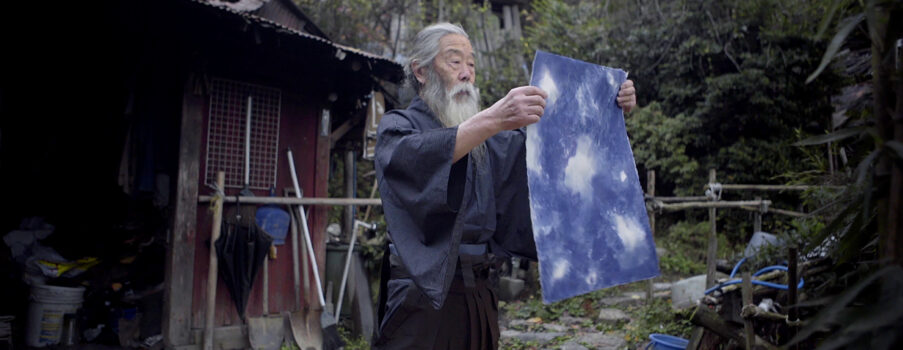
(757, 219)
(752, 187)
(650, 189)
(777, 211)
(713, 237)
(710, 205)
(676, 199)
(298, 201)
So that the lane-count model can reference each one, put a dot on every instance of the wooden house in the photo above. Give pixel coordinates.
(147, 100)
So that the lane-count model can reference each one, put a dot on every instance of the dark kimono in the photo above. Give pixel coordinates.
(432, 206)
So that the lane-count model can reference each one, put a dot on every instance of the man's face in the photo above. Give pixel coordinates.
(448, 87)
(455, 62)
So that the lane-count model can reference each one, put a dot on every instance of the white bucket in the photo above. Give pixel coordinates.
(45, 313)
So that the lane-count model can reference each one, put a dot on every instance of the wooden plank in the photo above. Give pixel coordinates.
(296, 201)
(321, 189)
(179, 280)
(712, 241)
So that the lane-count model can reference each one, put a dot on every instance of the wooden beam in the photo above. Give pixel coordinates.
(179, 271)
(746, 296)
(712, 321)
(712, 205)
(342, 130)
(676, 199)
(297, 201)
(792, 213)
(750, 187)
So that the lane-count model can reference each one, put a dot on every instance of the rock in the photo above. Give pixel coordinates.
(686, 292)
(660, 252)
(612, 316)
(520, 324)
(509, 288)
(572, 346)
(602, 340)
(539, 337)
(661, 286)
(573, 321)
(627, 299)
(554, 327)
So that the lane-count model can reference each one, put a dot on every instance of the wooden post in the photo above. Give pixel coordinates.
(179, 273)
(349, 193)
(746, 295)
(212, 263)
(713, 237)
(650, 190)
(757, 218)
(792, 294)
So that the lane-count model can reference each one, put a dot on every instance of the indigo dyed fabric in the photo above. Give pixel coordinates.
(586, 203)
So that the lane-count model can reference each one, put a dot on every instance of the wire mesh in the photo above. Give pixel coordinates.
(226, 133)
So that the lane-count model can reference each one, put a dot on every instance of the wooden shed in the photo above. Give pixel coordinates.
(148, 99)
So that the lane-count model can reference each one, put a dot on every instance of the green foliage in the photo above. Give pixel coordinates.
(661, 142)
(657, 317)
(353, 342)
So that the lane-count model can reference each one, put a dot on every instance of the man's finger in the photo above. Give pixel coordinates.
(627, 92)
(535, 100)
(532, 90)
(627, 84)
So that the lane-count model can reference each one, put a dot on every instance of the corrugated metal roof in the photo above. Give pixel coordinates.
(264, 22)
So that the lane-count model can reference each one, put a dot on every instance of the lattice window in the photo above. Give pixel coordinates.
(226, 133)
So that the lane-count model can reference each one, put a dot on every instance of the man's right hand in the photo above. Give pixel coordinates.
(521, 107)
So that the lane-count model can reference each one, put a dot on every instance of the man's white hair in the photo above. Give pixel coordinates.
(426, 47)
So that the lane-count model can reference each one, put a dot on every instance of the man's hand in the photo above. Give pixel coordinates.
(521, 107)
(627, 96)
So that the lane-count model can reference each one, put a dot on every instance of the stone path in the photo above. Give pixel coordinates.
(580, 333)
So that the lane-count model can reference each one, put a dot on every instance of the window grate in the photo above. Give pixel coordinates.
(226, 133)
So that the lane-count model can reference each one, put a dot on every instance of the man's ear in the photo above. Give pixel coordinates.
(418, 72)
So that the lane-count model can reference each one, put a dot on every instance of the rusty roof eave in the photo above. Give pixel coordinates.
(395, 72)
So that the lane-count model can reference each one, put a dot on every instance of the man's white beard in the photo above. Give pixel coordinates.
(452, 106)
(451, 110)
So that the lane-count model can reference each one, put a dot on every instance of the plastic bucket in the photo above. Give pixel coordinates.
(45, 313)
(667, 342)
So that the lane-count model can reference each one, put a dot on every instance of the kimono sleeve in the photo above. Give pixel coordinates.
(414, 167)
(514, 230)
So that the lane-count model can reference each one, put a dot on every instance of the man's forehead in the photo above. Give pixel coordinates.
(455, 43)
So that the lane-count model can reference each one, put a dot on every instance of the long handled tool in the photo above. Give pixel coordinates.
(331, 339)
(246, 190)
(338, 308)
(211, 273)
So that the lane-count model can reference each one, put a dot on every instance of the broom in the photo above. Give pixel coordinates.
(331, 339)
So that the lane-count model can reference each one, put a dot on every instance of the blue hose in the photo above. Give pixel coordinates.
(761, 283)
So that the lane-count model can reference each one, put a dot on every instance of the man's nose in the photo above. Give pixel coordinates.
(466, 76)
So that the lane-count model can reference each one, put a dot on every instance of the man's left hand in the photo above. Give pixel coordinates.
(627, 96)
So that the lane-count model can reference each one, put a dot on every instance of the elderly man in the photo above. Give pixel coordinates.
(454, 189)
